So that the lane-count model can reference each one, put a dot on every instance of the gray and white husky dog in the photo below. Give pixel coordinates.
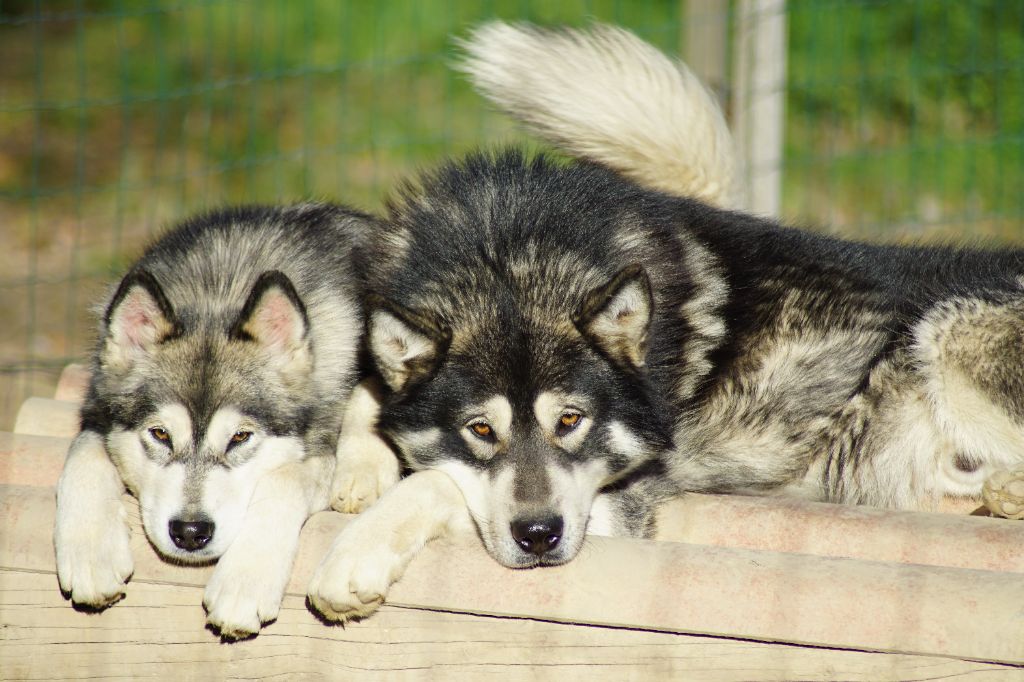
(219, 381)
(564, 347)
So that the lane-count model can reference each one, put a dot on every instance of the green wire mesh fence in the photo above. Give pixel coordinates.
(904, 120)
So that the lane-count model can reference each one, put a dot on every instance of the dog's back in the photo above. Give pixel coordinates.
(812, 365)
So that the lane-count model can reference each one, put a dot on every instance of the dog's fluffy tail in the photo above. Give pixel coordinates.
(607, 96)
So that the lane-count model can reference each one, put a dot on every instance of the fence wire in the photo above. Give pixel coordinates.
(905, 120)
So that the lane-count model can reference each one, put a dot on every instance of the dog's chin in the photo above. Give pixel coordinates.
(168, 552)
(200, 558)
(510, 556)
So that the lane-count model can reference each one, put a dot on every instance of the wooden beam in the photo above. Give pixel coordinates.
(73, 383)
(157, 633)
(758, 523)
(637, 584)
(759, 101)
(705, 44)
(790, 525)
(46, 417)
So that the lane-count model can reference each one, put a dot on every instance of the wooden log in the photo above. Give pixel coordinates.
(658, 586)
(73, 383)
(31, 460)
(789, 525)
(45, 417)
(157, 633)
(758, 523)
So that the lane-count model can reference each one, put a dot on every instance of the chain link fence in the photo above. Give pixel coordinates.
(900, 119)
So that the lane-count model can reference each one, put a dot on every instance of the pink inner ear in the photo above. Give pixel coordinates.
(139, 319)
(276, 321)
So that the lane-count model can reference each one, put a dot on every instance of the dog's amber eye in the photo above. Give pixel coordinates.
(482, 430)
(160, 434)
(567, 422)
(240, 437)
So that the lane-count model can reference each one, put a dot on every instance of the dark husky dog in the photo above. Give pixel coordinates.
(569, 346)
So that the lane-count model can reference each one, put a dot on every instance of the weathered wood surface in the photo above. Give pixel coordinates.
(46, 417)
(662, 586)
(73, 383)
(789, 525)
(756, 523)
(157, 633)
(733, 590)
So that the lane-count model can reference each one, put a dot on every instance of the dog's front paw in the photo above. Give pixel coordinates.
(94, 556)
(244, 593)
(353, 580)
(358, 482)
(366, 465)
(1003, 493)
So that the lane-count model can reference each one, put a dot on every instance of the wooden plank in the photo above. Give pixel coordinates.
(758, 523)
(157, 633)
(669, 587)
(790, 525)
(705, 41)
(31, 460)
(759, 101)
(73, 383)
(46, 417)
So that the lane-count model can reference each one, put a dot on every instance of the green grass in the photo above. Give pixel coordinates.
(907, 118)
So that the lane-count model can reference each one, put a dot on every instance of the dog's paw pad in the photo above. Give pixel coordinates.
(357, 485)
(1003, 493)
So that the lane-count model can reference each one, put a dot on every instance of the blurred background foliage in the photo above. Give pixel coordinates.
(905, 120)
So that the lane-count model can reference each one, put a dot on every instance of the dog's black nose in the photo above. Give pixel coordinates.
(190, 535)
(537, 535)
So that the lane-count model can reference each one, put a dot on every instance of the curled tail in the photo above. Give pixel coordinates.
(605, 95)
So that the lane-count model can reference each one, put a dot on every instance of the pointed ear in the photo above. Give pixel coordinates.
(406, 346)
(274, 317)
(616, 316)
(138, 318)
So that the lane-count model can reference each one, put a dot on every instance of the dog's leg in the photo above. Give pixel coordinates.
(971, 362)
(373, 551)
(91, 535)
(630, 511)
(248, 584)
(366, 465)
(936, 419)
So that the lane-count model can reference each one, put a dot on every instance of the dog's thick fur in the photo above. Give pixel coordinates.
(224, 362)
(570, 346)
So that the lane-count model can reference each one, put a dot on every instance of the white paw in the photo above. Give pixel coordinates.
(366, 468)
(245, 592)
(1003, 494)
(94, 557)
(353, 579)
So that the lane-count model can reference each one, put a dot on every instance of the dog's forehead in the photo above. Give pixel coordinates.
(208, 376)
(521, 358)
